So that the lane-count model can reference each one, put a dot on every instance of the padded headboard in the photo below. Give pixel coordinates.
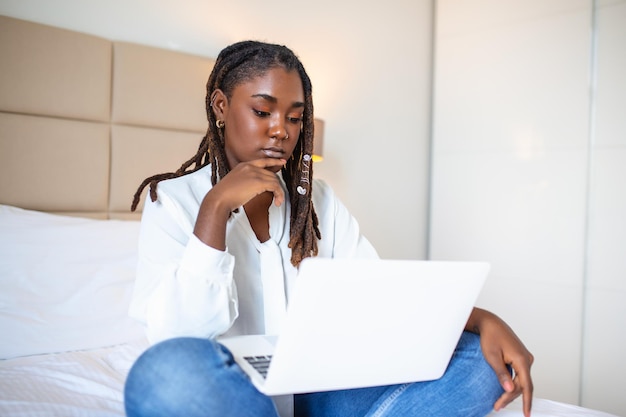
(83, 120)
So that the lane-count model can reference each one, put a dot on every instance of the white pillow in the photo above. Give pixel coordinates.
(65, 282)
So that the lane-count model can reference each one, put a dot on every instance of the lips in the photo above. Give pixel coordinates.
(274, 152)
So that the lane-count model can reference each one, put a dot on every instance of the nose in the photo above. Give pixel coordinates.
(277, 129)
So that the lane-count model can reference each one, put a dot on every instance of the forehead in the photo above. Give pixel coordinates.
(276, 82)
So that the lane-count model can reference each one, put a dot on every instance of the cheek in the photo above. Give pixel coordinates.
(241, 133)
(291, 147)
(294, 132)
(242, 125)
(252, 124)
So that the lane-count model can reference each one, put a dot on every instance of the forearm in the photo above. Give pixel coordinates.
(483, 321)
(210, 225)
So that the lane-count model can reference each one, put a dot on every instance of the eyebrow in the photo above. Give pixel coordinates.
(275, 100)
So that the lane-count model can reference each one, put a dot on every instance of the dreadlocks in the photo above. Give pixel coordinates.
(236, 64)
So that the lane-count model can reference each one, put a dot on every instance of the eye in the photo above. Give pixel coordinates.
(295, 119)
(261, 113)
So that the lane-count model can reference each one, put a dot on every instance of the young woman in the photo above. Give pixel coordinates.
(239, 217)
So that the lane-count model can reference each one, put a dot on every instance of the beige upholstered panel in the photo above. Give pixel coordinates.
(53, 164)
(160, 88)
(53, 72)
(60, 150)
(138, 153)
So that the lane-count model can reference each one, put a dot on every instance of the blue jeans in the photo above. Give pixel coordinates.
(197, 377)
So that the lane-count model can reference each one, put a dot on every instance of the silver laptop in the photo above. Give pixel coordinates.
(355, 323)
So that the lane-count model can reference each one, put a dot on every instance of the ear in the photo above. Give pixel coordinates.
(219, 104)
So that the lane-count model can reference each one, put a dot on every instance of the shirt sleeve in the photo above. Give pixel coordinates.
(183, 287)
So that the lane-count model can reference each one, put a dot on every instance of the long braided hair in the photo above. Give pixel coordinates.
(236, 64)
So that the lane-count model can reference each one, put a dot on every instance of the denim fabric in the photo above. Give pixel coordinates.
(469, 388)
(192, 377)
(197, 377)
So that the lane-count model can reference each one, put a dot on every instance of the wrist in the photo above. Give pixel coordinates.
(477, 319)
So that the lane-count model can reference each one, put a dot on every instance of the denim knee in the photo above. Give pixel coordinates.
(476, 378)
(468, 388)
(191, 377)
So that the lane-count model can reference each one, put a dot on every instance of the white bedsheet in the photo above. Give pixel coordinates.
(90, 384)
(73, 384)
(547, 408)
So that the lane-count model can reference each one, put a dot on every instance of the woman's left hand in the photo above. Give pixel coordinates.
(501, 348)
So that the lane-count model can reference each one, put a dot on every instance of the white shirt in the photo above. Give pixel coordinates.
(186, 288)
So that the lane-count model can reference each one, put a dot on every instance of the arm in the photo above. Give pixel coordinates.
(183, 287)
(245, 182)
(185, 284)
(501, 347)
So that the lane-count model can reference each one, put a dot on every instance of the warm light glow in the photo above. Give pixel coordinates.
(318, 140)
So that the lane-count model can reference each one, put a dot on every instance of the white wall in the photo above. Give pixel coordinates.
(529, 157)
(370, 67)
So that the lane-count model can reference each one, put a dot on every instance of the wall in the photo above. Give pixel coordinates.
(529, 158)
(370, 67)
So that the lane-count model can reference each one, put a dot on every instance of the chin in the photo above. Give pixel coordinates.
(275, 170)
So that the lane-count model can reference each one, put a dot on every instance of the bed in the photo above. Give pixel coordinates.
(82, 121)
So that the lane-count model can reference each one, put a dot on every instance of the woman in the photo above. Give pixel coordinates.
(242, 214)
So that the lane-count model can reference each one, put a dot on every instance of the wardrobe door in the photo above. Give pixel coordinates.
(605, 310)
(510, 167)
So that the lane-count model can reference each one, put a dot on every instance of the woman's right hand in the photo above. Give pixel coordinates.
(244, 182)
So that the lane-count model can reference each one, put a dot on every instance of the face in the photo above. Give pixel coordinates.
(263, 118)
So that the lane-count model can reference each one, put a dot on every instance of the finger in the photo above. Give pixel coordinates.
(272, 184)
(279, 196)
(501, 370)
(246, 182)
(506, 381)
(527, 400)
(267, 181)
(524, 382)
(523, 385)
(505, 399)
(269, 162)
(260, 168)
(526, 385)
(508, 397)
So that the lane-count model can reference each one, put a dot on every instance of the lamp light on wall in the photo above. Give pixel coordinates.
(318, 140)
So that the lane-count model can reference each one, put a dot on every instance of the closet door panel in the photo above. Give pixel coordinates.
(605, 310)
(509, 166)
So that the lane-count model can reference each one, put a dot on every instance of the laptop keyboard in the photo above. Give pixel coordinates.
(260, 363)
